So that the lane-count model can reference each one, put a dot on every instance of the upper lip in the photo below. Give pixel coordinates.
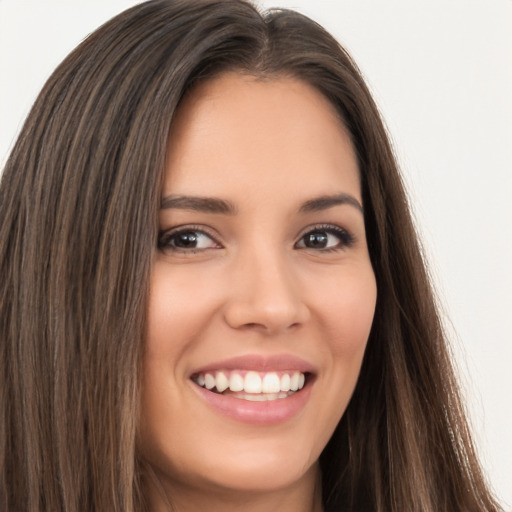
(260, 363)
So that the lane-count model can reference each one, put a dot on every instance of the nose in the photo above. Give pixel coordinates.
(264, 295)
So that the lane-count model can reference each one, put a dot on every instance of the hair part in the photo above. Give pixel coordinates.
(78, 202)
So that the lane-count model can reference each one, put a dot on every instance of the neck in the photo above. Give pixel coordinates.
(304, 495)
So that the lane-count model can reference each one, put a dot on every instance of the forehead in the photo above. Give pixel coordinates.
(278, 132)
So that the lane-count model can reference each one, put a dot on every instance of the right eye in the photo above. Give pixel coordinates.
(186, 240)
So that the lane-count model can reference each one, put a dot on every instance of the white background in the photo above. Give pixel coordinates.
(441, 72)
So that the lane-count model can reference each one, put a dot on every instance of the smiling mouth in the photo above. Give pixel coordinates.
(251, 385)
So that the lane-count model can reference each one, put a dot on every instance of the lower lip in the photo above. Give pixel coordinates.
(261, 413)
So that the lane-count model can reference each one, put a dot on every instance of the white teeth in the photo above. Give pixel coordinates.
(271, 383)
(294, 382)
(252, 383)
(221, 382)
(285, 382)
(209, 381)
(236, 382)
(263, 397)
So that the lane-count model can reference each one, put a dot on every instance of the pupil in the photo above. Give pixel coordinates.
(186, 240)
(316, 240)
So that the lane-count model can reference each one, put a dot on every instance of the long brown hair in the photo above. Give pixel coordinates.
(78, 207)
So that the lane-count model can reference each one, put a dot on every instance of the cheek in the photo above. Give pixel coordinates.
(347, 311)
(347, 316)
(181, 306)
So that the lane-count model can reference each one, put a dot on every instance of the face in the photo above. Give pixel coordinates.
(262, 292)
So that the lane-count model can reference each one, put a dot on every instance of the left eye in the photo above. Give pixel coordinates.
(325, 238)
(187, 239)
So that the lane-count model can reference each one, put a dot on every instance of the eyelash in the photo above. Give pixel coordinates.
(346, 239)
(165, 239)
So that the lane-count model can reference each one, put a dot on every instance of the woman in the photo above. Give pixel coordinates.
(177, 332)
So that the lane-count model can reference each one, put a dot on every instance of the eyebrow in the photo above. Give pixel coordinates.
(199, 204)
(224, 207)
(324, 202)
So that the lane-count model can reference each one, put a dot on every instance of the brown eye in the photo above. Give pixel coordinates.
(316, 240)
(328, 238)
(187, 239)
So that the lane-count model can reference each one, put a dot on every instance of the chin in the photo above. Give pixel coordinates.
(261, 473)
(252, 464)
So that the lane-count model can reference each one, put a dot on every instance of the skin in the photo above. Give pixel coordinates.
(253, 286)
